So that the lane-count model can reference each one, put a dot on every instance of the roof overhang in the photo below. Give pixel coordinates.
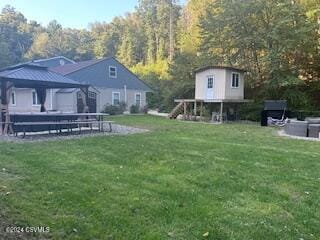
(219, 67)
(34, 76)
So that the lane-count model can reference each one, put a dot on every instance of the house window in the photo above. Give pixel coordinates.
(13, 99)
(138, 99)
(35, 99)
(235, 80)
(112, 72)
(115, 98)
(210, 82)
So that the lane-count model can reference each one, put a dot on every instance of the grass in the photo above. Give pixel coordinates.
(178, 181)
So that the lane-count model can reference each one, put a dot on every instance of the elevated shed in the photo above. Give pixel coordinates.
(215, 85)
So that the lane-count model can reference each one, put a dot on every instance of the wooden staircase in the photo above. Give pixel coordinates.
(177, 110)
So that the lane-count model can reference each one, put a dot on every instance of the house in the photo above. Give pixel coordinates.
(214, 85)
(111, 83)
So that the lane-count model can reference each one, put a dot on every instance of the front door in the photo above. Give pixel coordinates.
(209, 87)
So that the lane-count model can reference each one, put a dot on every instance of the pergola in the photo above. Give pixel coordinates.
(33, 76)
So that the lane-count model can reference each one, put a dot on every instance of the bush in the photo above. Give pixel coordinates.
(251, 111)
(114, 109)
(145, 109)
(134, 109)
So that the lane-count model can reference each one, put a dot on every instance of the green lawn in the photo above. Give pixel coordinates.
(178, 181)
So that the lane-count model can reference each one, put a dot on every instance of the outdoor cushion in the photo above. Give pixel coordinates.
(313, 120)
(314, 130)
(296, 128)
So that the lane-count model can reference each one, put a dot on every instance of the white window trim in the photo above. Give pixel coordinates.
(15, 98)
(37, 100)
(113, 98)
(238, 79)
(116, 71)
(135, 98)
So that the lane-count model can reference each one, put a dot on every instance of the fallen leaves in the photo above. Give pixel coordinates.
(205, 234)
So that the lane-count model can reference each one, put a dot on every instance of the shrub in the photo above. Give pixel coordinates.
(134, 109)
(251, 111)
(114, 109)
(145, 109)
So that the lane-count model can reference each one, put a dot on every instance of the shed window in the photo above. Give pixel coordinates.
(115, 98)
(210, 82)
(138, 99)
(35, 99)
(112, 72)
(235, 80)
(13, 98)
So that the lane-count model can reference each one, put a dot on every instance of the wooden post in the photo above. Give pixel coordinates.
(6, 127)
(221, 112)
(201, 110)
(85, 99)
(195, 110)
(184, 110)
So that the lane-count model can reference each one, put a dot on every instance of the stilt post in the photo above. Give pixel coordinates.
(221, 112)
(201, 110)
(195, 110)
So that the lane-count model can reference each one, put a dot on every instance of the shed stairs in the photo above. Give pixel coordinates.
(177, 110)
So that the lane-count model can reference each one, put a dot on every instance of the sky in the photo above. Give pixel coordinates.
(71, 13)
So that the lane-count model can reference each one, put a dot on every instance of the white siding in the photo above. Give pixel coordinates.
(106, 97)
(234, 93)
(218, 85)
(67, 102)
(24, 101)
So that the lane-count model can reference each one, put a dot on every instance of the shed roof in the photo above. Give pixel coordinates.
(218, 67)
(30, 75)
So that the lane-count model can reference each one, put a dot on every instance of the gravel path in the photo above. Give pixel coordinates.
(31, 137)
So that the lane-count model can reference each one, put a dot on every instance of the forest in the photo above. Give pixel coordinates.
(162, 41)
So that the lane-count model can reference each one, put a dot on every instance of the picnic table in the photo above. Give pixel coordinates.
(37, 122)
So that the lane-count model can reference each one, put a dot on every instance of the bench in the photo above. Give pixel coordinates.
(27, 126)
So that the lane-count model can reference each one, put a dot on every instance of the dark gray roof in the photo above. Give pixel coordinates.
(54, 61)
(70, 68)
(96, 73)
(33, 76)
(219, 67)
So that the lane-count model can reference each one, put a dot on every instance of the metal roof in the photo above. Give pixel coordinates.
(219, 67)
(33, 76)
(96, 73)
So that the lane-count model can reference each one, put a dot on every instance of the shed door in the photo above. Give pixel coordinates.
(209, 87)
